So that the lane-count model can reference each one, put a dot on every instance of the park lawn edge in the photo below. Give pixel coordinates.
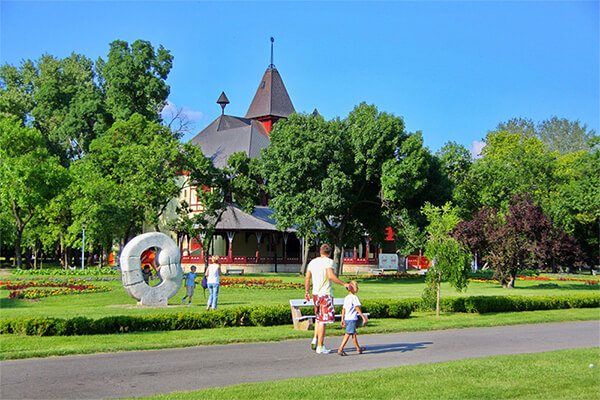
(20, 347)
(548, 375)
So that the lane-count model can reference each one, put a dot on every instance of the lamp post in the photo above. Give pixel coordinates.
(82, 245)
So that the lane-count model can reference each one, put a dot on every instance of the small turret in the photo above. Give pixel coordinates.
(223, 101)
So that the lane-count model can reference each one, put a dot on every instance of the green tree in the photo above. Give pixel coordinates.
(559, 134)
(510, 164)
(59, 97)
(126, 179)
(69, 108)
(450, 259)
(575, 204)
(327, 174)
(16, 90)
(29, 176)
(134, 79)
(411, 179)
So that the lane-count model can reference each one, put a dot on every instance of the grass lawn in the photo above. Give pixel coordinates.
(562, 374)
(17, 346)
(117, 302)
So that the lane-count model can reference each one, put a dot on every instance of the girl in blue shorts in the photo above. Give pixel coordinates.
(350, 314)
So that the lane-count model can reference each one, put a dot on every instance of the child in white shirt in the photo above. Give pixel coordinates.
(350, 314)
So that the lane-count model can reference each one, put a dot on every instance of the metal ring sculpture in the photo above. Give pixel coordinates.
(169, 260)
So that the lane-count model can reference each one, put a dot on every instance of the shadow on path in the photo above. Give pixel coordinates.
(401, 347)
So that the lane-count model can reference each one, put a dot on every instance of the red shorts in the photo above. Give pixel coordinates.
(324, 311)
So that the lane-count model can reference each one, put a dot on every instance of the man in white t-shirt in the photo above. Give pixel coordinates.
(320, 270)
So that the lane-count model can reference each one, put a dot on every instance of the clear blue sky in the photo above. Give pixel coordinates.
(452, 70)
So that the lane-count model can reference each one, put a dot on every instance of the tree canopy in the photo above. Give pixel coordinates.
(326, 175)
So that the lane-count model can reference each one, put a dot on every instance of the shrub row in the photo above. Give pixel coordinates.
(240, 316)
(380, 308)
(487, 304)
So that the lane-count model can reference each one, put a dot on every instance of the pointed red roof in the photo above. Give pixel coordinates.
(271, 98)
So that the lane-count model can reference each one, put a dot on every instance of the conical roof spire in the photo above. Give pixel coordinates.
(223, 101)
(271, 98)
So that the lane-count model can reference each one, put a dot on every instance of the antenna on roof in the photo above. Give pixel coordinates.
(272, 65)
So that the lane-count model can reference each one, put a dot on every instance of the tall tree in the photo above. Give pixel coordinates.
(69, 108)
(559, 134)
(134, 79)
(127, 178)
(29, 175)
(329, 173)
(16, 90)
(575, 204)
(510, 164)
(410, 179)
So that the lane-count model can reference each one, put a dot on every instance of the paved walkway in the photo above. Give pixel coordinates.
(141, 373)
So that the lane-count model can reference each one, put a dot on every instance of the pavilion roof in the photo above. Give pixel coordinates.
(227, 135)
(234, 219)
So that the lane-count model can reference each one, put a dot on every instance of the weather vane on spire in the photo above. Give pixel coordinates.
(272, 65)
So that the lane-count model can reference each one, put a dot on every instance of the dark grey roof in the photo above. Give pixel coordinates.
(223, 99)
(227, 135)
(271, 98)
(234, 219)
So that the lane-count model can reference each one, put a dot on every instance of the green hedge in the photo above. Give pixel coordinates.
(487, 304)
(239, 316)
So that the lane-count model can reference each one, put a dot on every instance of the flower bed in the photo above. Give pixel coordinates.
(587, 281)
(249, 283)
(68, 272)
(38, 288)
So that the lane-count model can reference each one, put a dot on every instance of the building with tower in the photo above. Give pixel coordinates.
(252, 242)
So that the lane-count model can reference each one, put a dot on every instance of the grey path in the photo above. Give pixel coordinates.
(149, 372)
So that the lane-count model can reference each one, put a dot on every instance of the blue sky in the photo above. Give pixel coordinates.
(452, 70)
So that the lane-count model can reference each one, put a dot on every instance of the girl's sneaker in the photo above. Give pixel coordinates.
(323, 350)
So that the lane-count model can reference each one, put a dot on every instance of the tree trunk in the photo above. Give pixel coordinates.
(511, 283)
(437, 302)
(305, 252)
(337, 258)
(18, 255)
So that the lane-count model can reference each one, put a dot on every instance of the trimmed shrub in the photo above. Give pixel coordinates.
(273, 315)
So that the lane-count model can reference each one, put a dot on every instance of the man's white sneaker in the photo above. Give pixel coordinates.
(323, 350)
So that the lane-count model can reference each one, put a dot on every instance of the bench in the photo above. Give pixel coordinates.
(382, 270)
(234, 271)
(306, 322)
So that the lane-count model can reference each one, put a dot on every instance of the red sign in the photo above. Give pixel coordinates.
(418, 262)
(389, 234)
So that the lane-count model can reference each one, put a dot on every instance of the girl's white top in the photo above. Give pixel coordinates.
(213, 274)
(350, 303)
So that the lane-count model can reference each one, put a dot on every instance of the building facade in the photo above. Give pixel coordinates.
(252, 242)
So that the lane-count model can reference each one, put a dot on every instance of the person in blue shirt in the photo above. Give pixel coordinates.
(190, 284)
